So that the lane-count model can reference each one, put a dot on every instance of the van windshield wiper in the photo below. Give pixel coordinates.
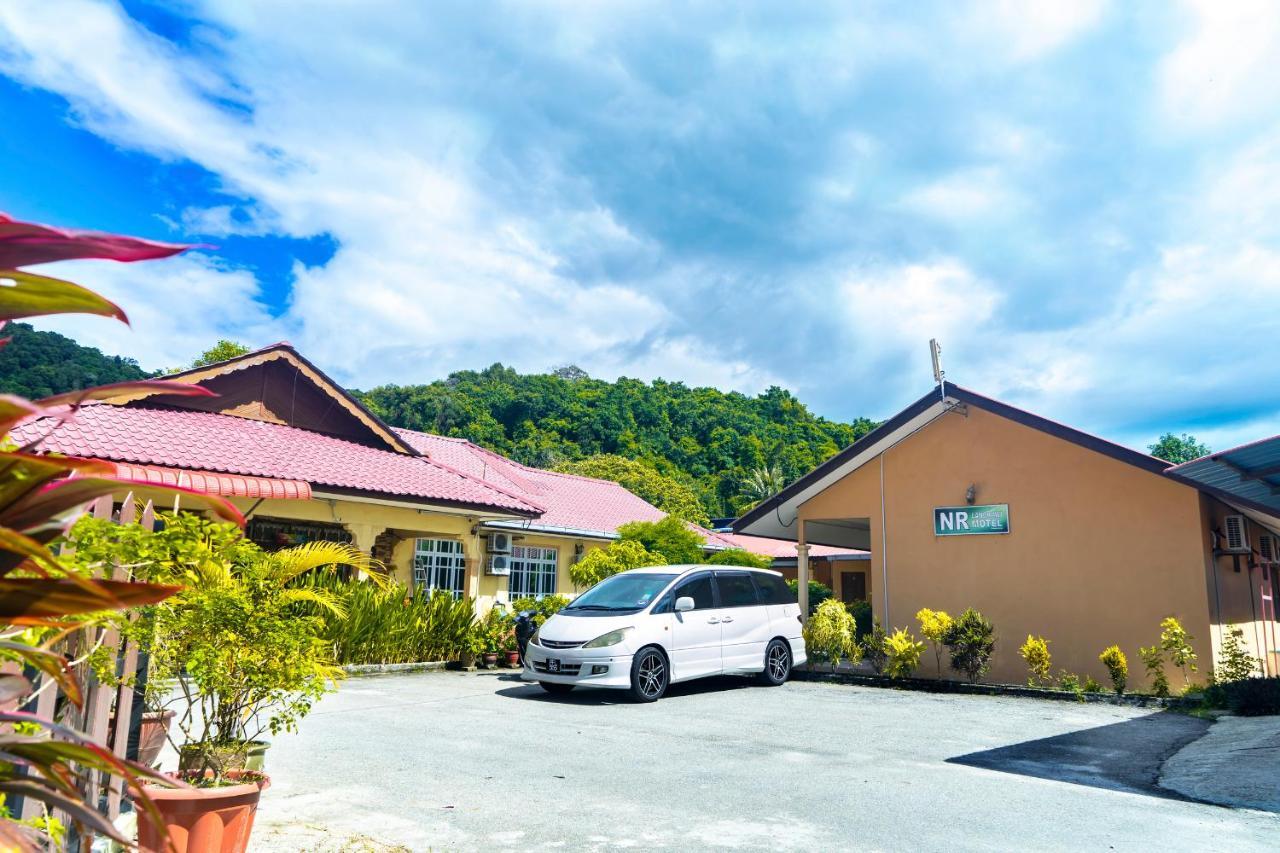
(594, 607)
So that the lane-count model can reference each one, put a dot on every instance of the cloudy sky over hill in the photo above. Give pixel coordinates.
(1082, 200)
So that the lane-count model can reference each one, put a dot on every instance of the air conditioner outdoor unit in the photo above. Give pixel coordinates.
(1237, 534)
(498, 543)
(498, 564)
(1269, 548)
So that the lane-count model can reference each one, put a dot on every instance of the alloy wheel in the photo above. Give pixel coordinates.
(652, 675)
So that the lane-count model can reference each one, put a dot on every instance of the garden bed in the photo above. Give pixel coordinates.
(932, 685)
(388, 668)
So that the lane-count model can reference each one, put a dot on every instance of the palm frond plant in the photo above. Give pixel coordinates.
(43, 600)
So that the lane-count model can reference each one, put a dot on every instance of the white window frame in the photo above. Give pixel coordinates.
(533, 571)
(439, 564)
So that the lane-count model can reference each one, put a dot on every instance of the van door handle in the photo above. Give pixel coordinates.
(726, 619)
(713, 621)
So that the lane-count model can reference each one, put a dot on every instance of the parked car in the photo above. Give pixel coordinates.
(646, 629)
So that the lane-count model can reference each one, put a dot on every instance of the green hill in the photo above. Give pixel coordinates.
(37, 364)
(730, 448)
(723, 450)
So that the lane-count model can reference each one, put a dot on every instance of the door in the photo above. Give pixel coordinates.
(853, 587)
(744, 623)
(695, 634)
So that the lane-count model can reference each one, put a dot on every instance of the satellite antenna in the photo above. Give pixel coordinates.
(939, 375)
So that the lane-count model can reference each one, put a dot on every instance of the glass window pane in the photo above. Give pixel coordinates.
(699, 589)
(736, 589)
(773, 589)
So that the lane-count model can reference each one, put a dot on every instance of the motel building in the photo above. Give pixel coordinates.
(303, 461)
(963, 501)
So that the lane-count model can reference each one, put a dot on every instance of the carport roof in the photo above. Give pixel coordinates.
(1250, 472)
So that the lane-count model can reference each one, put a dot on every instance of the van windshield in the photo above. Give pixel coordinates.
(622, 593)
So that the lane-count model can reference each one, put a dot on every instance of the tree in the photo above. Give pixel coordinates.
(1178, 449)
(670, 537)
(619, 556)
(40, 364)
(221, 351)
(740, 557)
(761, 483)
(666, 493)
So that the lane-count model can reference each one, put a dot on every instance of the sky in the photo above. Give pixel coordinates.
(1080, 200)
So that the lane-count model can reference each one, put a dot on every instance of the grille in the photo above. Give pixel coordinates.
(558, 644)
(565, 668)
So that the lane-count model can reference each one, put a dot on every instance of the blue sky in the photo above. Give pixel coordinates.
(1081, 200)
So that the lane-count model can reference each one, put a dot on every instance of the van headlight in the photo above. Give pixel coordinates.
(610, 639)
(537, 632)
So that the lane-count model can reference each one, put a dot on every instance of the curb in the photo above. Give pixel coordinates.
(928, 685)
(389, 668)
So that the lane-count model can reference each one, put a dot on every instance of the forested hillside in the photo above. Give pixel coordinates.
(714, 453)
(730, 448)
(37, 364)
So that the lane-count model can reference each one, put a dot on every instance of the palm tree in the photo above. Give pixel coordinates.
(762, 483)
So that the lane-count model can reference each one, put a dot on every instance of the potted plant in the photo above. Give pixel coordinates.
(510, 648)
(238, 653)
(491, 631)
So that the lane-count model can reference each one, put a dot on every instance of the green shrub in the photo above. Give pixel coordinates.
(1253, 697)
(1153, 661)
(1090, 685)
(392, 625)
(1176, 642)
(1117, 667)
(541, 608)
(873, 648)
(828, 635)
(1035, 651)
(739, 557)
(1069, 681)
(1234, 661)
(934, 625)
(818, 593)
(971, 642)
(600, 563)
(862, 618)
(902, 653)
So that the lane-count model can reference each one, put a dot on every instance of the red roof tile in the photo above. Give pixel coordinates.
(778, 548)
(208, 441)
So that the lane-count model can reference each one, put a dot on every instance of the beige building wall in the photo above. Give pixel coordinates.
(1099, 550)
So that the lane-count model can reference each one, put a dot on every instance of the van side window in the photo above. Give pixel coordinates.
(697, 587)
(736, 589)
(773, 589)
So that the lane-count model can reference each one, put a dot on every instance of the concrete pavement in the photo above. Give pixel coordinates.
(1236, 763)
(473, 761)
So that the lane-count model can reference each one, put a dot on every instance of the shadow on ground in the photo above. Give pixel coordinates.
(1124, 756)
(590, 696)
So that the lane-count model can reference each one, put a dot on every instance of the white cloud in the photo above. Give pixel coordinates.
(1226, 66)
(177, 308)
(964, 196)
(1027, 30)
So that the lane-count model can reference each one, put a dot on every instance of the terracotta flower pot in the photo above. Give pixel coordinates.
(490, 658)
(202, 820)
(513, 658)
(153, 734)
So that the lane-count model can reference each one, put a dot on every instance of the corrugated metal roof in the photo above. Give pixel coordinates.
(1250, 471)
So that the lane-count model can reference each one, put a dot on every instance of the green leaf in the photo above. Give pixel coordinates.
(26, 601)
(24, 294)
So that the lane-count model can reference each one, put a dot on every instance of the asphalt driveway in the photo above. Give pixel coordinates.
(477, 761)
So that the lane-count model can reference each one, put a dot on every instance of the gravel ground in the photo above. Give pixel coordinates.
(480, 761)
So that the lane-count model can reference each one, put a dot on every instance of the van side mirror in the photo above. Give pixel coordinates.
(684, 604)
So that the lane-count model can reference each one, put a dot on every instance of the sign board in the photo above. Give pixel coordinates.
(970, 520)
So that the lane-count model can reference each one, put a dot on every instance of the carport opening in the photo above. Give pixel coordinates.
(848, 575)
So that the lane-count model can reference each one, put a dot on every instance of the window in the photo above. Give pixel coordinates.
(439, 564)
(736, 589)
(533, 572)
(698, 588)
(773, 589)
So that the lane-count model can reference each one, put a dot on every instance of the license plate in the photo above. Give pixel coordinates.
(553, 665)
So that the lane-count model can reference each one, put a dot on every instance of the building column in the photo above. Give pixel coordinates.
(802, 574)
(364, 537)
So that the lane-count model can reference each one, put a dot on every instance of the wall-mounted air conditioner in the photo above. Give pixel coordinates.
(1269, 548)
(1236, 534)
(498, 543)
(497, 564)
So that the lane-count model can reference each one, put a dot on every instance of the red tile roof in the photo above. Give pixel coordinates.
(569, 502)
(227, 485)
(208, 441)
(783, 549)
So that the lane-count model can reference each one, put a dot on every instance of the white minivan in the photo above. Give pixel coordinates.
(644, 629)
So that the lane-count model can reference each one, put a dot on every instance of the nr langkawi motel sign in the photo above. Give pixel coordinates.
(970, 520)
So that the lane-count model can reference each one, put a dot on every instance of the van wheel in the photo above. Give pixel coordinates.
(553, 687)
(649, 675)
(777, 663)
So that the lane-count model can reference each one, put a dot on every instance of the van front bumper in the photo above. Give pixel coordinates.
(607, 667)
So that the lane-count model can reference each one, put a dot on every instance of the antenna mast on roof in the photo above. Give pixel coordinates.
(939, 375)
